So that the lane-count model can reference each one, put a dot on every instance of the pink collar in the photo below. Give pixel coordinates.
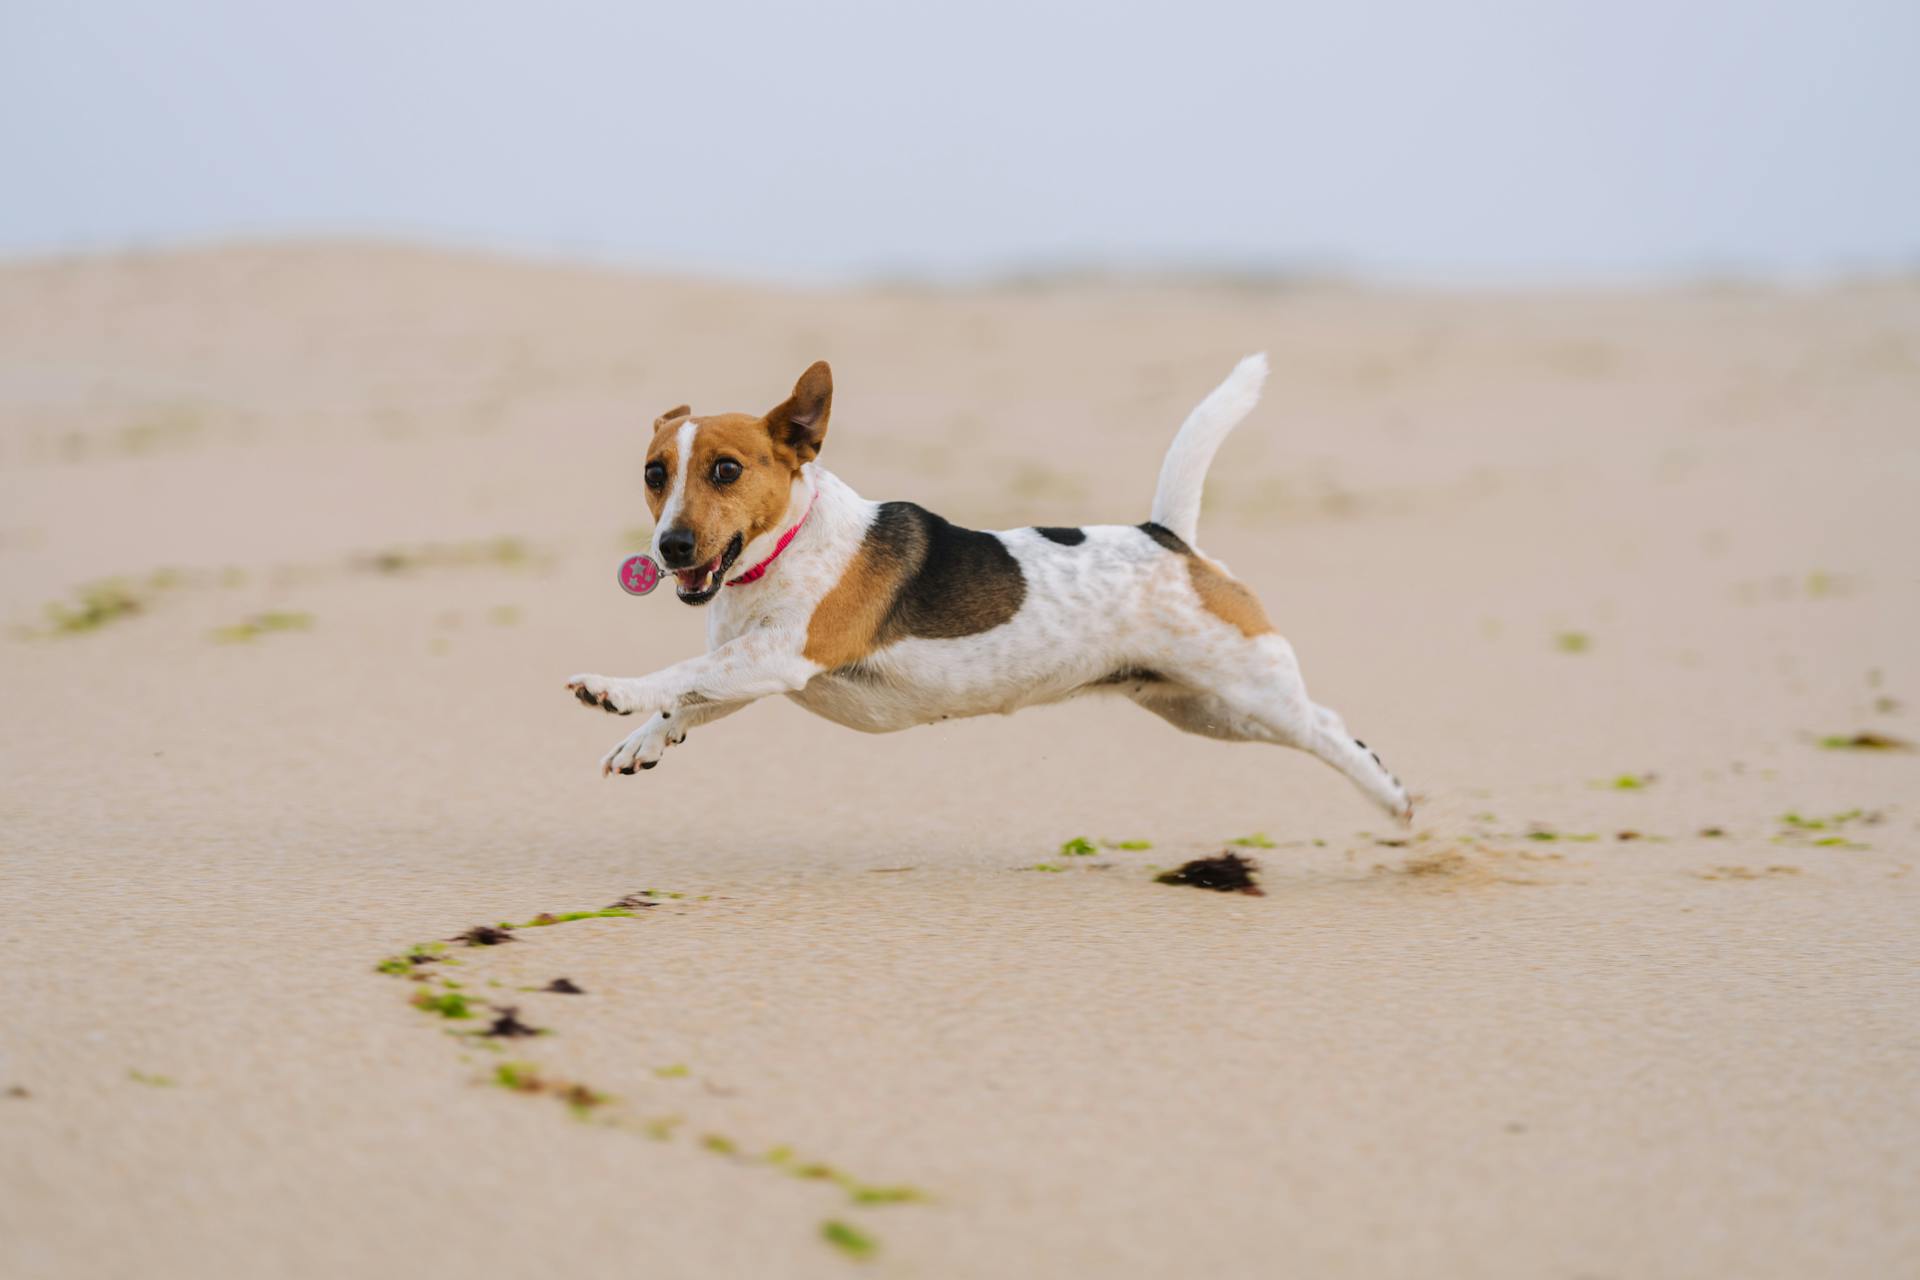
(759, 571)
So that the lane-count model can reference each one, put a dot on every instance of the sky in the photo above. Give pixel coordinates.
(1498, 141)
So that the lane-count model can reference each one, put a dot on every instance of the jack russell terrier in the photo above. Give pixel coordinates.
(881, 615)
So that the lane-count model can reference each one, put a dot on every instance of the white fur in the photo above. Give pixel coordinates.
(1183, 474)
(677, 492)
(1118, 602)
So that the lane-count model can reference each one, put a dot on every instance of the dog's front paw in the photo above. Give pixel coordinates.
(621, 697)
(640, 749)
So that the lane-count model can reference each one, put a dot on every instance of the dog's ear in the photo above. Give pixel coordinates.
(678, 411)
(800, 422)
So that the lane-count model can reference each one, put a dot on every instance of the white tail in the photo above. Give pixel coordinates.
(1176, 503)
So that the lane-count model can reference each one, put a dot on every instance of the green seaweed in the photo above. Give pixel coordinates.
(546, 918)
(865, 1194)
(1131, 846)
(1865, 741)
(675, 1071)
(661, 1128)
(1258, 840)
(261, 624)
(1800, 822)
(1572, 642)
(97, 605)
(1548, 834)
(1078, 847)
(448, 1004)
(150, 1079)
(521, 1077)
(848, 1239)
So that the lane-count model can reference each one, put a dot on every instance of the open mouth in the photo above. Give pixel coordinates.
(703, 582)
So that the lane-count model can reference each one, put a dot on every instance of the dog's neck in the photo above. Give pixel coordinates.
(836, 520)
(800, 498)
(832, 513)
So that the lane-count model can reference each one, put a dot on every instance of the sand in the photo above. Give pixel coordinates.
(1528, 545)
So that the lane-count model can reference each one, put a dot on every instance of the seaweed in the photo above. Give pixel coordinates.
(1258, 840)
(848, 1239)
(1226, 873)
(546, 918)
(485, 935)
(633, 902)
(1867, 740)
(260, 624)
(448, 1004)
(98, 604)
(864, 1194)
(507, 1024)
(521, 1077)
(564, 987)
(1078, 847)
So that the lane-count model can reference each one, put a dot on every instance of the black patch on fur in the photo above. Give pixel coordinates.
(954, 582)
(1066, 536)
(1166, 538)
(1132, 675)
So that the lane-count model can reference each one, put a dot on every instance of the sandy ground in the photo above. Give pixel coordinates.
(1528, 545)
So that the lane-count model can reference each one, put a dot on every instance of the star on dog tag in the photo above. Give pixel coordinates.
(638, 575)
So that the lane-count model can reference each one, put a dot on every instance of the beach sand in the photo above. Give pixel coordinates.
(1577, 565)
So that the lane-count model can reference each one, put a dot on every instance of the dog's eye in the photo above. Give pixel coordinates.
(726, 471)
(656, 475)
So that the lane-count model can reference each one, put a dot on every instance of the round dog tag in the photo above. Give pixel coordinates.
(638, 575)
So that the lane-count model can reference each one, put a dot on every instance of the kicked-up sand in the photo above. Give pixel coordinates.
(1614, 580)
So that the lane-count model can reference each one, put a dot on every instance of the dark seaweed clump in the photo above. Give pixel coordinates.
(507, 1024)
(1227, 873)
(564, 986)
(483, 935)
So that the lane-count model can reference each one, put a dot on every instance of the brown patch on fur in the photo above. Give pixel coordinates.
(1226, 598)
(846, 623)
(915, 575)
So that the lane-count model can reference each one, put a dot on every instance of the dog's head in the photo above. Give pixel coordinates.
(716, 484)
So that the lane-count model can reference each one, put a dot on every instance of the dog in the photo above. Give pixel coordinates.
(881, 615)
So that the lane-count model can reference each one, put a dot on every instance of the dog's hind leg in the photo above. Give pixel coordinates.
(1252, 692)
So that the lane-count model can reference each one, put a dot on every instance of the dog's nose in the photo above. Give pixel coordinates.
(676, 548)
